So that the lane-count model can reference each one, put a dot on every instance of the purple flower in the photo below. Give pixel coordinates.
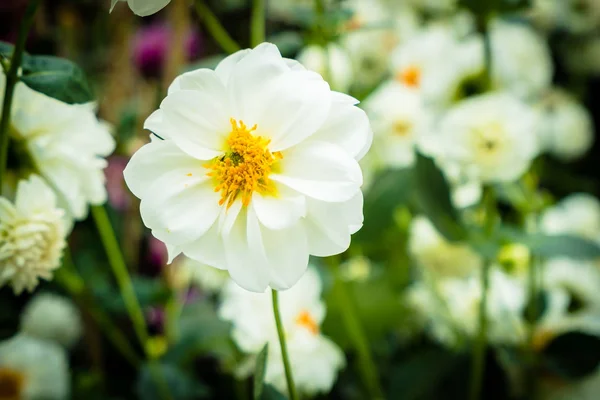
(151, 44)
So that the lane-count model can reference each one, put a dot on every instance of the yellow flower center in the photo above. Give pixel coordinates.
(245, 167)
(11, 384)
(402, 128)
(306, 320)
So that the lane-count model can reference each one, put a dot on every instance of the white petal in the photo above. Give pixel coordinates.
(245, 267)
(281, 211)
(160, 159)
(201, 80)
(143, 8)
(228, 217)
(347, 126)
(196, 122)
(180, 211)
(284, 252)
(225, 67)
(320, 170)
(155, 123)
(208, 249)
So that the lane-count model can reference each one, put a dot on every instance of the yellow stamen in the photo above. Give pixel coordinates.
(245, 167)
(306, 320)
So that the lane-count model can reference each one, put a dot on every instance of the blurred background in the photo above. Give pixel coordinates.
(413, 291)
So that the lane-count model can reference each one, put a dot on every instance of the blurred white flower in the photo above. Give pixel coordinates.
(268, 153)
(521, 61)
(434, 253)
(577, 214)
(315, 359)
(586, 388)
(451, 308)
(143, 8)
(33, 369)
(566, 127)
(492, 136)
(331, 62)
(371, 34)
(435, 6)
(52, 317)
(573, 299)
(66, 144)
(579, 16)
(398, 119)
(436, 61)
(32, 235)
(201, 275)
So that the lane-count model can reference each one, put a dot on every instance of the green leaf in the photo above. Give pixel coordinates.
(390, 189)
(549, 246)
(433, 199)
(288, 43)
(270, 393)
(259, 373)
(179, 383)
(573, 355)
(201, 331)
(57, 78)
(149, 292)
(418, 377)
(6, 49)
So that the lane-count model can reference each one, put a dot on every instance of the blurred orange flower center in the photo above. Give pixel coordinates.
(11, 384)
(306, 320)
(410, 76)
(245, 167)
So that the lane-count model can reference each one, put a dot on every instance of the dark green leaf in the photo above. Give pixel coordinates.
(418, 377)
(259, 372)
(433, 199)
(288, 42)
(180, 385)
(573, 355)
(57, 78)
(270, 393)
(201, 331)
(6, 49)
(390, 189)
(149, 292)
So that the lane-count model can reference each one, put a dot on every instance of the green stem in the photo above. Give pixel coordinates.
(214, 27)
(357, 336)
(480, 345)
(284, 353)
(68, 277)
(257, 26)
(119, 269)
(479, 350)
(11, 81)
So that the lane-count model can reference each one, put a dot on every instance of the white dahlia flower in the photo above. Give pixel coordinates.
(257, 168)
(143, 8)
(450, 308)
(315, 359)
(52, 317)
(492, 136)
(33, 369)
(577, 214)
(566, 126)
(521, 61)
(399, 119)
(434, 253)
(66, 143)
(32, 235)
(436, 61)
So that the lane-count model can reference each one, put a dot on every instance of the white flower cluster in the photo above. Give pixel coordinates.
(314, 358)
(59, 148)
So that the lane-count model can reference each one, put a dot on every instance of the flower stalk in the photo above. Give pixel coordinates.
(357, 336)
(11, 81)
(257, 26)
(214, 27)
(284, 353)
